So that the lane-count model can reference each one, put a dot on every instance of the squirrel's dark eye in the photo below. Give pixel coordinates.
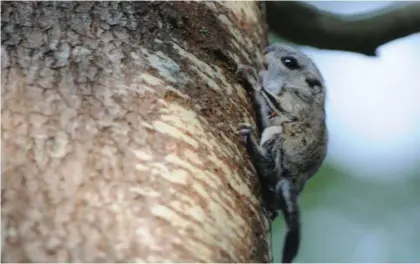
(290, 62)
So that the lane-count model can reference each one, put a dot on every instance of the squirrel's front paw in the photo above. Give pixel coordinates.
(245, 130)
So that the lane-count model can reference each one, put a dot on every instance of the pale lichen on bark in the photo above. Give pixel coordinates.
(117, 133)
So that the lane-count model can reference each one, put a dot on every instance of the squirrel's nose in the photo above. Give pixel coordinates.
(313, 82)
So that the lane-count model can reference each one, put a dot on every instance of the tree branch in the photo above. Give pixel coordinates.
(307, 25)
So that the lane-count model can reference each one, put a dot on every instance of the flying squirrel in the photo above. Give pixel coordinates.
(289, 95)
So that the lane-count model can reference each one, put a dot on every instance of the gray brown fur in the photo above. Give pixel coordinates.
(293, 143)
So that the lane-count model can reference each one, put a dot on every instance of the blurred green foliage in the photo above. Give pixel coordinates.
(344, 216)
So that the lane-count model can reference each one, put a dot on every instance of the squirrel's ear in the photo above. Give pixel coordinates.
(269, 48)
(265, 64)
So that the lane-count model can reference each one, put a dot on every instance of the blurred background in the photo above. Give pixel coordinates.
(363, 205)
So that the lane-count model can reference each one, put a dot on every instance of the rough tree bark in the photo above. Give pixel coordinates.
(118, 139)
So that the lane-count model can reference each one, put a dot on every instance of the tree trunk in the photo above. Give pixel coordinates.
(118, 140)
